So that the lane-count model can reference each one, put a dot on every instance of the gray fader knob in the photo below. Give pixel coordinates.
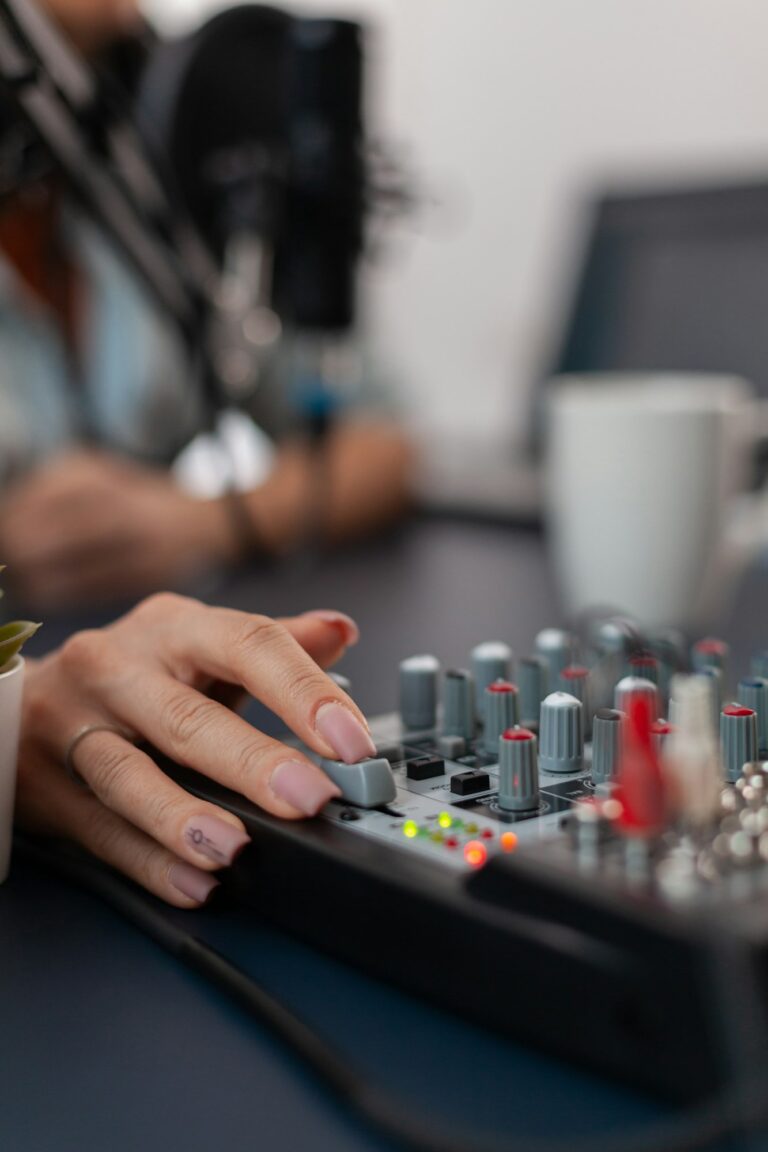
(518, 771)
(558, 648)
(630, 688)
(532, 673)
(499, 713)
(418, 692)
(459, 704)
(738, 738)
(753, 693)
(367, 784)
(490, 661)
(606, 744)
(561, 734)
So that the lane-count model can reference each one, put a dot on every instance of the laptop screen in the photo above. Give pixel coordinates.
(675, 281)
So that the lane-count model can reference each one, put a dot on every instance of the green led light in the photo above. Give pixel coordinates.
(445, 820)
(410, 829)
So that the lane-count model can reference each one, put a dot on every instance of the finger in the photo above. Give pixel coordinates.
(323, 633)
(70, 812)
(264, 657)
(129, 783)
(198, 733)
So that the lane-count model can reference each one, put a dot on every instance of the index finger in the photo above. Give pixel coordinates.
(262, 655)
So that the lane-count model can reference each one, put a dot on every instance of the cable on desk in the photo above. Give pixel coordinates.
(738, 1111)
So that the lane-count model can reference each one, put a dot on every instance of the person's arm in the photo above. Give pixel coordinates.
(88, 526)
(161, 674)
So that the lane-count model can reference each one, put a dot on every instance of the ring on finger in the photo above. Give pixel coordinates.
(76, 741)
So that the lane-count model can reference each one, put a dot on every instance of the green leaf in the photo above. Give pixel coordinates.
(12, 638)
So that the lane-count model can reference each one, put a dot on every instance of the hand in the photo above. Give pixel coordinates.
(90, 527)
(162, 674)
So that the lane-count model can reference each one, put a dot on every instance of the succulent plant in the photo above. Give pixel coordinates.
(13, 636)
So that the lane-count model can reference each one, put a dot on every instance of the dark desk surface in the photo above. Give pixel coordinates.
(108, 1044)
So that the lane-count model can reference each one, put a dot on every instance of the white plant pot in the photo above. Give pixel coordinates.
(11, 684)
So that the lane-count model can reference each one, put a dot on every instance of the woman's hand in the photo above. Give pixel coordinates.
(162, 674)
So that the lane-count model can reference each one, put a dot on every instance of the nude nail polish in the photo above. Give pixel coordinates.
(302, 785)
(343, 731)
(191, 882)
(344, 623)
(214, 838)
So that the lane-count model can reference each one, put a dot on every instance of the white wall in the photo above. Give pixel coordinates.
(513, 109)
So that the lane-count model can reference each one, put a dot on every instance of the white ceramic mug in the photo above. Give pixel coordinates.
(643, 475)
(11, 683)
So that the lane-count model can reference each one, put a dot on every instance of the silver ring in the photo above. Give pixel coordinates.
(77, 739)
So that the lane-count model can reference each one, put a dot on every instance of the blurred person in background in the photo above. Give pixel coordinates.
(95, 386)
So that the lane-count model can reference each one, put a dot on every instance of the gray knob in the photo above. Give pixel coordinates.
(499, 713)
(558, 648)
(459, 704)
(532, 687)
(561, 734)
(518, 771)
(644, 666)
(367, 784)
(753, 693)
(491, 661)
(759, 666)
(343, 682)
(418, 692)
(606, 744)
(710, 652)
(738, 738)
(575, 680)
(633, 686)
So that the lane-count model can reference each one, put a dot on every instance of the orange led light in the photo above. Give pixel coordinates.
(475, 853)
(508, 841)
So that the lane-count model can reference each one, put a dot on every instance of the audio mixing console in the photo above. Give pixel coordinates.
(571, 848)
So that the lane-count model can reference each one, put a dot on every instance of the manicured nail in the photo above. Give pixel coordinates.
(344, 732)
(191, 882)
(345, 624)
(303, 786)
(214, 838)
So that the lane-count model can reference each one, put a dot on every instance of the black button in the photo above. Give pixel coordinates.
(465, 783)
(349, 814)
(425, 768)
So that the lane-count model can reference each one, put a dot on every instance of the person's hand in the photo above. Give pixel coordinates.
(89, 527)
(164, 674)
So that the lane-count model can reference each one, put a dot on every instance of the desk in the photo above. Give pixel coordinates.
(108, 1045)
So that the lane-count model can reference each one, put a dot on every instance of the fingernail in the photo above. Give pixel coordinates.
(303, 786)
(214, 838)
(344, 732)
(191, 882)
(344, 623)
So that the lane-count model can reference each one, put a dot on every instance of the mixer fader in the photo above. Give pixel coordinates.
(572, 835)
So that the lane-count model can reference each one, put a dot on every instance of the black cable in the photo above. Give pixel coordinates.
(740, 1110)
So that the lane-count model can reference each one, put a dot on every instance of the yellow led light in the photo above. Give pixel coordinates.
(410, 829)
(445, 820)
(470, 828)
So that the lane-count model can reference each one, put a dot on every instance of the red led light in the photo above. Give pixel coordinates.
(475, 853)
(487, 833)
(517, 734)
(737, 710)
(501, 686)
(451, 842)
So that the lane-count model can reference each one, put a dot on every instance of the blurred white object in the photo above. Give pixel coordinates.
(11, 682)
(237, 456)
(642, 491)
